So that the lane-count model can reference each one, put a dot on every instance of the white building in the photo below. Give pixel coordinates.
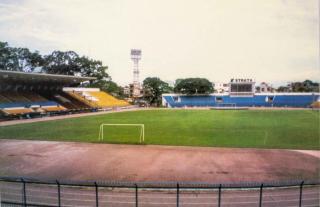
(264, 88)
(221, 87)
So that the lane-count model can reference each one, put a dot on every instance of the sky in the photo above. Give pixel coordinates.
(276, 41)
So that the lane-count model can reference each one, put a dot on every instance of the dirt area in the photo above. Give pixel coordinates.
(85, 161)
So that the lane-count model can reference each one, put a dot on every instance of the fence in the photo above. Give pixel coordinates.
(50, 193)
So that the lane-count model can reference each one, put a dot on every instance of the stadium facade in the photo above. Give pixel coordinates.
(303, 100)
(241, 93)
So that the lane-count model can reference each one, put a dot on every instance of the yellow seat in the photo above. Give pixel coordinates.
(18, 111)
(316, 104)
(105, 100)
(97, 99)
(83, 99)
(54, 108)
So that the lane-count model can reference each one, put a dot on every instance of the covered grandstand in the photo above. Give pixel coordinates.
(27, 95)
(299, 100)
(241, 94)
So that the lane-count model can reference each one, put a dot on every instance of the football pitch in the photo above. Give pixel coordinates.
(288, 129)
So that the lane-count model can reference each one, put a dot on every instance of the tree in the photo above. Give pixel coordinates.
(193, 86)
(95, 68)
(92, 68)
(305, 86)
(19, 59)
(27, 60)
(8, 61)
(58, 62)
(70, 63)
(178, 81)
(283, 89)
(310, 86)
(153, 88)
(64, 63)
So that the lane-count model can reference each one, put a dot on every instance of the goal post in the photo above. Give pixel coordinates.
(102, 131)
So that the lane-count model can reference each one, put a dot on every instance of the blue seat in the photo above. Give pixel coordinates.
(259, 100)
(28, 104)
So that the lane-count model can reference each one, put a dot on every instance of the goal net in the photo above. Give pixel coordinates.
(129, 133)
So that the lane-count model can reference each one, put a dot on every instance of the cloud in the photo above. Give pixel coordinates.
(269, 40)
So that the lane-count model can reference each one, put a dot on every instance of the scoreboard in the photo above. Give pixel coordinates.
(241, 87)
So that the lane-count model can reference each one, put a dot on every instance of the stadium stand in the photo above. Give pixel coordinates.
(241, 94)
(105, 100)
(31, 96)
(4, 99)
(14, 96)
(302, 100)
(53, 108)
(95, 98)
(18, 110)
(82, 98)
(27, 95)
(67, 101)
(29, 108)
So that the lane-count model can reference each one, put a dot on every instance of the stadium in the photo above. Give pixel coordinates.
(37, 108)
(223, 110)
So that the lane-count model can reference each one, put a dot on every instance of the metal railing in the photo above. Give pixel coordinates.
(16, 191)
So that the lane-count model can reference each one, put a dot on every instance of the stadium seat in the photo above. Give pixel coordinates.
(67, 101)
(14, 96)
(316, 105)
(32, 96)
(27, 95)
(104, 100)
(16, 111)
(97, 99)
(80, 97)
(16, 103)
(54, 108)
(3, 99)
(261, 100)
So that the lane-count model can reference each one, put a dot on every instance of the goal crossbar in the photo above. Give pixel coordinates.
(141, 138)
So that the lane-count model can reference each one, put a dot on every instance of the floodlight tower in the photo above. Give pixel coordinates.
(135, 57)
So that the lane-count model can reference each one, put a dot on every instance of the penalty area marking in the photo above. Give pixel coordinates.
(141, 138)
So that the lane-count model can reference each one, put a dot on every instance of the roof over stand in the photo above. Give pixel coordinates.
(16, 79)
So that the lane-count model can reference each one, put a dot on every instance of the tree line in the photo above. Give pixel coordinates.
(154, 87)
(305, 86)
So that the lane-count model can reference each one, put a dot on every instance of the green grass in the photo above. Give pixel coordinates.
(254, 129)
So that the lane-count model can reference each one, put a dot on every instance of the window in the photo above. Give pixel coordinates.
(241, 87)
(176, 99)
(219, 99)
(270, 99)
